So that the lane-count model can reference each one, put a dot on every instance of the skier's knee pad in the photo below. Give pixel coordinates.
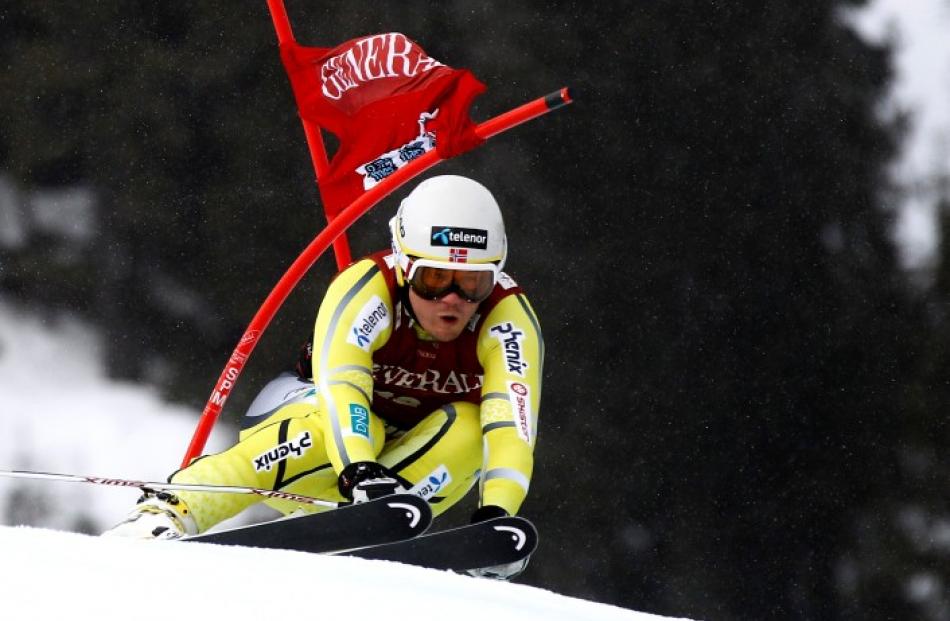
(283, 390)
(286, 412)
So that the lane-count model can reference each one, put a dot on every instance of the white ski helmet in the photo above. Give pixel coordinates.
(449, 220)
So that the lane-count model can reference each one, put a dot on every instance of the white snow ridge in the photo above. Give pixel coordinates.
(57, 575)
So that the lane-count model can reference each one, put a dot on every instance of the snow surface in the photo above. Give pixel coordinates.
(59, 413)
(58, 575)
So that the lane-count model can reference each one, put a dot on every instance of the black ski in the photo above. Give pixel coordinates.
(475, 546)
(388, 519)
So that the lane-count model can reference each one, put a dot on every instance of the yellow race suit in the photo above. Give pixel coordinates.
(441, 415)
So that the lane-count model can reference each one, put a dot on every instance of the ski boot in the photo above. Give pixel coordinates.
(156, 516)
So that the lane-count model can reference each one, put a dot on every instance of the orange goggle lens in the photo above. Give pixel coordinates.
(433, 283)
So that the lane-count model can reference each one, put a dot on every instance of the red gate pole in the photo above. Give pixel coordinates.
(318, 152)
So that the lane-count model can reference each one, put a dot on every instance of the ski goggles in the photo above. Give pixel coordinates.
(432, 280)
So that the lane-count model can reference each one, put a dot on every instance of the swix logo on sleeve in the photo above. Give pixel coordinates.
(291, 449)
(510, 338)
(359, 420)
(520, 397)
(432, 484)
(372, 319)
(459, 237)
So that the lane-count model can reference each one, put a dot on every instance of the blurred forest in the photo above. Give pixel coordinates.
(744, 391)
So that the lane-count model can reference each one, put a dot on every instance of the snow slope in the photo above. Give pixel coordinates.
(57, 575)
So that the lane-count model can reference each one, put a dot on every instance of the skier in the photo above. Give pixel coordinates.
(426, 377)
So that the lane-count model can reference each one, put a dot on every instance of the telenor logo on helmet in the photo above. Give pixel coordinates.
(459, 237)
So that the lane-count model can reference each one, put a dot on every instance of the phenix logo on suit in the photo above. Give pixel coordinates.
(290, 449)
(510, 338)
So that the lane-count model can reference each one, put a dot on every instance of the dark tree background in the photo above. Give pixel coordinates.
(744, 394)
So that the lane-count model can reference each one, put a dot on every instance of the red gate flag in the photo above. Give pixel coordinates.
(386, 101)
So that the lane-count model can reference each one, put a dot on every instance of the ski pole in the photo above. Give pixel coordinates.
(149, 486)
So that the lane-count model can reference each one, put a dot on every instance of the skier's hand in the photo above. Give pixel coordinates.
(368, 480)
(304, 366)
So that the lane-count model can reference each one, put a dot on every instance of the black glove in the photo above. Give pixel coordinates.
(488, 512)
(368, 480)
(304, 366)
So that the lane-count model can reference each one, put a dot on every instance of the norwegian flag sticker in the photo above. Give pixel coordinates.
(458, 255)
